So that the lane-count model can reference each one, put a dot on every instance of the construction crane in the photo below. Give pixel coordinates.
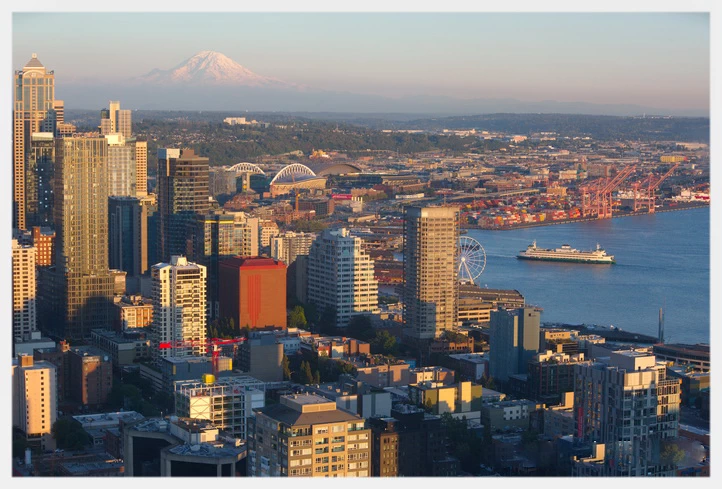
(211, 344)
(644, 191)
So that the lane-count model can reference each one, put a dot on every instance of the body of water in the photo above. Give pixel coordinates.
(662, 260)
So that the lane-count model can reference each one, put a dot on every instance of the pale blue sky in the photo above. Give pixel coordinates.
(653, 59)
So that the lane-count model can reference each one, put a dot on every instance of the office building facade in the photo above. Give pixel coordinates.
(182, 194)
(128, 234)
(217, 237)
(513, 341)
(33, 112)
(253, 292)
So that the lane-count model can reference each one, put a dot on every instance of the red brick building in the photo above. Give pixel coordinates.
(43, 240)
(253, 291)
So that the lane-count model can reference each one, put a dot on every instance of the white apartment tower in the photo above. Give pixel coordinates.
(341, 275)
(287, 246)
(34, 400)
(24, 290)
(121, 167)
(626, 402)
(431, 288)
(179, 309)
(267, 230)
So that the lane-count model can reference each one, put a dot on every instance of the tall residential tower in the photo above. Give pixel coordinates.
(341, 276)
(431, 288)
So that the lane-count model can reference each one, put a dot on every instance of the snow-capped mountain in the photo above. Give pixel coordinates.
(215, 69)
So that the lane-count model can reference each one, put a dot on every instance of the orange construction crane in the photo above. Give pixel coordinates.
(212, 344)
(646, 196)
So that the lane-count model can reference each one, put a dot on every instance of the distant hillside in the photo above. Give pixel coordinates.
(600, 127)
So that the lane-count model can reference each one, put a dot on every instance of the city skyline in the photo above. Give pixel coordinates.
(595, 58)
(297, 248)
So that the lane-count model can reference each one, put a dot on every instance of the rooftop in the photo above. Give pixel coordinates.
(291, 417)
(88, 420)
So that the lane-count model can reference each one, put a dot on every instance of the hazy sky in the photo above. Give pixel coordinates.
(653, 59)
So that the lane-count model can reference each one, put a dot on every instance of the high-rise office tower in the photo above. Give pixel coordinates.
(35, 400)
(121, 167)
(182, 194)
(81, 225)
(33, 112)
(218, 236)
(341, 276)
(431, 288)
(253, 292)
(288, 245)
(141, 168)
(39, 174)
(305, 435)
(128, 234)
(24, 291)
(513, 341)
(179, 309)
(626, 402)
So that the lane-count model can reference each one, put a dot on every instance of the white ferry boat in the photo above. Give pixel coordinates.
(565, 253)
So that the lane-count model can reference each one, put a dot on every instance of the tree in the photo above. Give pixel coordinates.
(327, 322)
(297, 318)
(285, 365)
(69, 434)
(360, 327)
(383, 343)
(670, 454)
(317, 377)
(306, 375)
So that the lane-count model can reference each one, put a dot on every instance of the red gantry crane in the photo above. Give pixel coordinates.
(213, 345)
(644, 191)
(597, 195)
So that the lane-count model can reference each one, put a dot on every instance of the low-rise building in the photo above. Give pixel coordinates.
(90, 376)
(505, 415)
(438, 398)
(182, 447)
(307, 436)
(440, 375)
(385, 374)
(124, 349)
(409, 443)
(227, 402)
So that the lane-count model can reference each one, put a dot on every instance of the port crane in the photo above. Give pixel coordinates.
(644, 190)
(597, 195)
(213, 345)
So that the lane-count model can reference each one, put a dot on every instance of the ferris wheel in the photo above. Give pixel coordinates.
(472, 259)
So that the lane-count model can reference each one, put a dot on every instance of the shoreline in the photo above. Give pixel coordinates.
(523, 225)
